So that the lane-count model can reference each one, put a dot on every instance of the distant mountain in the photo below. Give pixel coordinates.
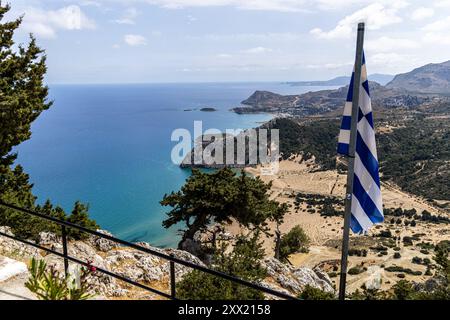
(343, 81)
(431, 78)
(320, 102)
(338, 81)
(380, 78)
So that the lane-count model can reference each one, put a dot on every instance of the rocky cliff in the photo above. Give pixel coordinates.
(148, 269)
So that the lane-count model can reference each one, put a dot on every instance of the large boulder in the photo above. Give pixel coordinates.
(49, 239)
(296, 279)
(17, 249)
(100, 243)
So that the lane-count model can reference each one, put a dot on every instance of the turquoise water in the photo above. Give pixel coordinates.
(109, 146)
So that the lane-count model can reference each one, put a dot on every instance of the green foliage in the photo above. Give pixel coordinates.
(368, 294)
(295, 240)
(317, 139)
(80, 216)
(220, 197)
(49, 284)
(402, 269)
(242, 262)
(22, 90)
(403, 290)
(441, 258)
(311, 293)
(356, 270)
(23, 97)
(415, 156)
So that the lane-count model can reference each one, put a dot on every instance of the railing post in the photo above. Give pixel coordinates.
(64, 243)
(172, 280)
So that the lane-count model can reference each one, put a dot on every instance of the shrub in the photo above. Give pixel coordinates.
(242, 262)
(49, 284)
(356, 270)
(397, 255)
(311, 293)
(401, 269)
(357, 252)
(403, 290)
(295, 240)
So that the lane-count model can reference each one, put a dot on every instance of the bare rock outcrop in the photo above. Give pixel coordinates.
(149, 269)
(296, 279)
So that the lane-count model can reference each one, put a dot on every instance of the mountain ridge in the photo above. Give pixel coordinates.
(430, 78)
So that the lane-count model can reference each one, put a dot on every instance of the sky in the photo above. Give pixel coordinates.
(155, 41)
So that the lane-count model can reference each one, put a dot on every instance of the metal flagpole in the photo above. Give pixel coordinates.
(351, 159)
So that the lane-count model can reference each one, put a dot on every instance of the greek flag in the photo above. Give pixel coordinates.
(367, 208)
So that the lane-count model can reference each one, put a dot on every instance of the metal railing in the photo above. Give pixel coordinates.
(172, 260)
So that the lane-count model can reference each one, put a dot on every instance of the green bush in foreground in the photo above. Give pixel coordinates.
(48, 284)
(242, 262)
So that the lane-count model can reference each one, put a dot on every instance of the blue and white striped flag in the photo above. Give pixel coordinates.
(367, 208)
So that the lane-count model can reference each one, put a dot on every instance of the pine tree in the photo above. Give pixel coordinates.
(23, 95)
(80, 216)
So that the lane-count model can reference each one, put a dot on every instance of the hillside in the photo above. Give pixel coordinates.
(413, 153)
(431, 78)
(320, 102)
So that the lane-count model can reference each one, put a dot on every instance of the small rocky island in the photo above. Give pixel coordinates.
(208, 109)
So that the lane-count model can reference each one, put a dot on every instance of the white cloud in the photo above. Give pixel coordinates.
(135, 40)
(438, 32)
(387, 44)
(439, 25)
(224, 55)
(322, 66)
(46, 23)
(442, 4)
(340, 4)
(90, 3)
(257, 50)
(375, 15)
(266, 5)
(128, 17)
(392, 61)
(422, 13)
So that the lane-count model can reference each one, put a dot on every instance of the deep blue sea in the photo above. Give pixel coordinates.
(109, 146)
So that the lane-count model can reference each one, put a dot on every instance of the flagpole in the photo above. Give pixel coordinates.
(351, 159)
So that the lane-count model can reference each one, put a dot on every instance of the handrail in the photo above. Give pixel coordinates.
(170, 258)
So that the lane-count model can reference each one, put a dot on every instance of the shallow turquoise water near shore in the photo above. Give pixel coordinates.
(109, 146)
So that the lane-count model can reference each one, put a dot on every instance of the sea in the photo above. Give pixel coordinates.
(110, 146)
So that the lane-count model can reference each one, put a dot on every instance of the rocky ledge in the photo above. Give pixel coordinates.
(147, 269)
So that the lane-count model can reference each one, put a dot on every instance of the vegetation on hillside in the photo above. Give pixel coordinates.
(318, 139)
(415, 155)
